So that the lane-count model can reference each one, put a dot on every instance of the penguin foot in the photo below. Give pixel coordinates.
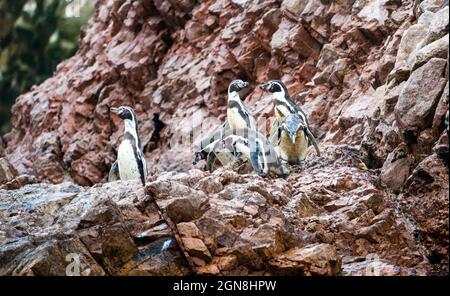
(301, 164)
(261, 174)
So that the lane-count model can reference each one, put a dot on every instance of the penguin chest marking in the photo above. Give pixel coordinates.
(235, 119)
(293, 153)
(281, 112)
(127, 161)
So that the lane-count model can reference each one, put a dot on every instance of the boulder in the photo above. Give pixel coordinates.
(419, 97)
(396, 169)
(413, 36)
(438, 26)
(70, 230)
(425, 199)
(7, 171)
(294, 6)
(436, 49)
(319, 259)
(430, 5)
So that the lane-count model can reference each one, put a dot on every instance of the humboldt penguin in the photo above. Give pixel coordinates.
(238, 116)
(245, 144)
(292, 140)
(208, 150)
(130, 163)
(283, 107)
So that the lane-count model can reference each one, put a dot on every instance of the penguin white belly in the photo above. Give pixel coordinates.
(301, 145)
(128, 167)
(235, 120)
(281, 112)
(244, 149)
(293, 153)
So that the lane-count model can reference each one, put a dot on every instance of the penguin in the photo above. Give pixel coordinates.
(238, 116)
(246, 144)
(292, 140)
(283, 107)
(130, 163)
(205, 150)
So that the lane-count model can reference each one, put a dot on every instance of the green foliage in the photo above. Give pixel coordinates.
(35, 35)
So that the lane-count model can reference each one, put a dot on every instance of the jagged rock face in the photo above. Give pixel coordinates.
(113, 229)
(371, 75)
(176, 59)
(331, 219)
(7, 171)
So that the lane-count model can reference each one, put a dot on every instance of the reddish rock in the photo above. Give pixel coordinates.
(7, 171)
(420, 96)
(321, 259)
(354, 73)
(426, 200)
(196, 248)
(396, 169)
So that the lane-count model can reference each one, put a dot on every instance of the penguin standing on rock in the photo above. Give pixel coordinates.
(130, 163)
(211, 151)
(292, 140)
(238, 116)
(250, 144)
(293, 146)
(242, 144)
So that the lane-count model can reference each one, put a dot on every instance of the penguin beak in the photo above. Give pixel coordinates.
(115, 110)
(264, 86)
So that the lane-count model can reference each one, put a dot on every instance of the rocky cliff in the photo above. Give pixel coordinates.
(372, 75)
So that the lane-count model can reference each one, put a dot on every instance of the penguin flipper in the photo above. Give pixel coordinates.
(249, 119)
(254, 155)
(226, 125)
(114, 172)
(142, 166)
(313, 140)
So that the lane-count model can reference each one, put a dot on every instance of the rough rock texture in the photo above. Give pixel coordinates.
(2, 147)
(176, 59)
(7, 171)
(114, 229)
(371, 75)
(333, 218)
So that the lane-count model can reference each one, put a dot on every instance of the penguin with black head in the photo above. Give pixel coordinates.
(130, 163)
(288, 117)
(238, 115)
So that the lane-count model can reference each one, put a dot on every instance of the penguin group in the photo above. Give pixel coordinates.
(236, 141)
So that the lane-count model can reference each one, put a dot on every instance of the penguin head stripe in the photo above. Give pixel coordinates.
(237, 85)
(125, 112)
(131, 124)
(274, 86)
